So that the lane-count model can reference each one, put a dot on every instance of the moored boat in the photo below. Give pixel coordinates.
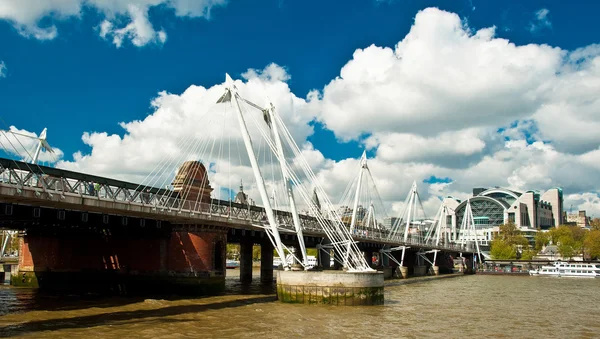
(567, 269)
(232, 263)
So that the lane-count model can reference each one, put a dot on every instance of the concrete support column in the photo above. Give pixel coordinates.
(384, 261)
(266, 262)
(368, 256)
(246, 260)
(337, 264)
(324, 255)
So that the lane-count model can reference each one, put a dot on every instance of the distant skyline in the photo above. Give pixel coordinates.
(452, 94)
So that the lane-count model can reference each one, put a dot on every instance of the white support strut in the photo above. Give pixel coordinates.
(288, 184)
(256, 169)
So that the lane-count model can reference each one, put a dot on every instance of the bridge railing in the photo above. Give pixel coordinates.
(48, 182)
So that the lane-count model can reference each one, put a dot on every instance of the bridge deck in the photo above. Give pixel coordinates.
(27, 184)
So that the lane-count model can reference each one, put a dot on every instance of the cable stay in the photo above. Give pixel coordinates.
(411, 225)
(234, 140)
(467, 234)
(361, 206)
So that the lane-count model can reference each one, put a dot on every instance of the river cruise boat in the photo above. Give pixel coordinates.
(568, 269)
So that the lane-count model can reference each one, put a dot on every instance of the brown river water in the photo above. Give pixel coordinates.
(463, 307)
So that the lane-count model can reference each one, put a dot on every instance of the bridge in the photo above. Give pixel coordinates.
(93, 230)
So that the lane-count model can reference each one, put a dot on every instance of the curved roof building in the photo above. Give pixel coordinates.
(495, 206)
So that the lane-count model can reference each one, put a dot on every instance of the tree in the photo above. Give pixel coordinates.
(501, 250)
(595, 224)
(568, 240)
(592, 243)
(510, 234)
(528, 254)
(541, 239)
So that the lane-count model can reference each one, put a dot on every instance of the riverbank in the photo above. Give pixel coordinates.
(413, 280)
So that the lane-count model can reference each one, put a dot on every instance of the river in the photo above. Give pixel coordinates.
(462, 307)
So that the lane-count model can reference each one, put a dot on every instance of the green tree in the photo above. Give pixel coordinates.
(595, 224)
(568, 240)
(541, 239)
(592, 243)
(233, 251)
(255, 253)
(528, 254)
(510, 234)
(501, 250)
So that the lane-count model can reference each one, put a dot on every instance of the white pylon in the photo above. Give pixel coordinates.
(42, 143)
(287, 183)
(467, 231)
(231, 96)
(363, 167)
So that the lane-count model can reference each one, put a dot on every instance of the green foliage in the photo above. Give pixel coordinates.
(592, 243)
(541, 239)
(595, 224)
(311, 251)
(507, 241)
(233, 251)
(568, 239)
(255, 253)
(528, 254)
(500, 250)
(510, 234)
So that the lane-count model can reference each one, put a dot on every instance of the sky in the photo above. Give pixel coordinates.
(450, 94)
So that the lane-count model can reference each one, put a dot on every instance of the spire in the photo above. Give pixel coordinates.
(316, 199)
(241, 186)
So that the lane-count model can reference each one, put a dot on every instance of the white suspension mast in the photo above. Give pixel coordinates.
(441, 226)
(413, 193)
(287, 183)
(363, 166)
(472, 221)
(231, 95)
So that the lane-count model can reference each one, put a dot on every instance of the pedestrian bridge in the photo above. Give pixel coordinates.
(35, 185)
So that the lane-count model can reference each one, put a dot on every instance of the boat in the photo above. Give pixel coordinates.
(312, 261)
(568, 269)
(232, 263)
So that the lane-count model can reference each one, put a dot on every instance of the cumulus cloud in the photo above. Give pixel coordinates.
(2, 69)
(126, 20)
(23, 144)
(191, 126)
(540, 20)
(446, 101)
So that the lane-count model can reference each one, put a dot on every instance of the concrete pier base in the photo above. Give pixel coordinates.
(419, 271)
(436, 270)
(330, 288)
(403, 271)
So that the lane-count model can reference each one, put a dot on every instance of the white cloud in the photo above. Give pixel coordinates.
(2, 69)
(446, 101)
(125, 20)
(540, 20)
(190, 126)
(24, 147)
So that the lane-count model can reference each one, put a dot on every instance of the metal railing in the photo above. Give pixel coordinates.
(47, 183)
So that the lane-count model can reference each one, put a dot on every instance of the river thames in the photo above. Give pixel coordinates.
(462, 307)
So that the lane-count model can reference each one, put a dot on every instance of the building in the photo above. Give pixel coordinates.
(529, 211)
(580, 219)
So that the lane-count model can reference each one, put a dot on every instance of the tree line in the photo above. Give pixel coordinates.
(570, 241)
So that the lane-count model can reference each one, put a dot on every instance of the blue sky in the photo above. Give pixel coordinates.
(78, 82)
(76, 79)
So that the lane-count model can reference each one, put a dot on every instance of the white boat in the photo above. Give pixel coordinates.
(312, 261)
(568, 269)
(232, 264)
